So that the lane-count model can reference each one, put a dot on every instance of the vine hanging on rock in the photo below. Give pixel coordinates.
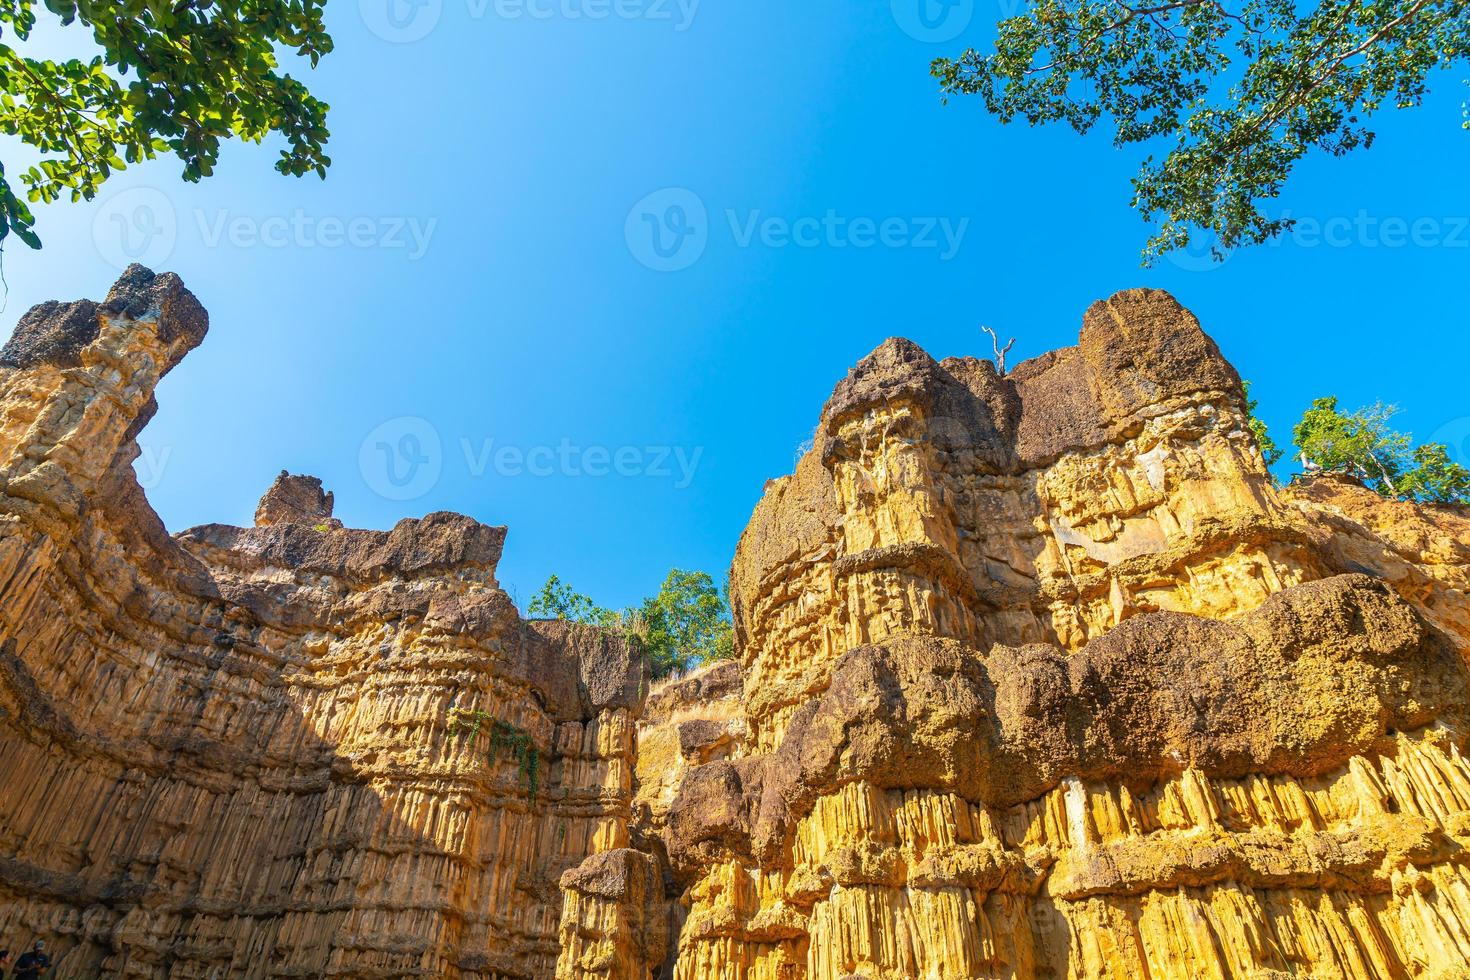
(505, 738)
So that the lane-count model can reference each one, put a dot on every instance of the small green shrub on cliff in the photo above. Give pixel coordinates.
(557, 600)
(1270, 452)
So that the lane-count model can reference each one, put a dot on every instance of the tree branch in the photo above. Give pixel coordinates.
(1000, 352)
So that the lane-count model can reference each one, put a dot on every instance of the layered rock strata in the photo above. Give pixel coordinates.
(287, 750)
(1038, 676)
(1044, 677)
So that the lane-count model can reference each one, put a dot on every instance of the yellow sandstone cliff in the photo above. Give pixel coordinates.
(1038, 676)
(1045, 678)
(233, 752)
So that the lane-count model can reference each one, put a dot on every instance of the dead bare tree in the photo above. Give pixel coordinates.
(1000, 352)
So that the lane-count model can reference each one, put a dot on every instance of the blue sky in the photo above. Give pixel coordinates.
(475, 294)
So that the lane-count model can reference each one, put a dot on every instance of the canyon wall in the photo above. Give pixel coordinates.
(1044, 677)
(1039, 675)
(289, 750)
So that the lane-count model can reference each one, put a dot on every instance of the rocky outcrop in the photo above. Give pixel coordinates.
(615, 920)
(1038, 676)
(294, 749)
(1043, 676)
(296, 500)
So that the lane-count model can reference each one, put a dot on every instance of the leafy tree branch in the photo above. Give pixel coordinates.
(1242, 91)
(173, 78)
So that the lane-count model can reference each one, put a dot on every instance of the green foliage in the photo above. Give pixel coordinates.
(685, 624)
(558, 600)
(1270, 452)
(505, 739)
(724, 646)
(629, 622)
(171, 77)
(1362, 444)
(1435, 477)
(1243, 90)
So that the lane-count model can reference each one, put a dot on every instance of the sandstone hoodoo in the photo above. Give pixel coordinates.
(1038, 675)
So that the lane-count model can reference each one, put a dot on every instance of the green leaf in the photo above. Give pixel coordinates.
(167, 78)
(1242, 91)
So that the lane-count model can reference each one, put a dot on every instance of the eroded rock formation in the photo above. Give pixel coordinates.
(286, 750)
(1044, 677)
(1038, 676)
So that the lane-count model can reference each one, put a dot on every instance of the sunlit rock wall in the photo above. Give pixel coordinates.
(1039, 676)
(233, 753)
(1044, 677)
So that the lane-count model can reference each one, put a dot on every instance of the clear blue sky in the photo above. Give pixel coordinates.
(518, 147)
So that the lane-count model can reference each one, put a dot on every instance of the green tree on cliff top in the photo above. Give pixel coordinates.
(171, 76)
(685, 624)
(1233, 94)
(558, 600)
(1362, 444)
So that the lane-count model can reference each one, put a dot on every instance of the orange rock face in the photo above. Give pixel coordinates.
(1044, 677)
(1039, 676)
(234, 752)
